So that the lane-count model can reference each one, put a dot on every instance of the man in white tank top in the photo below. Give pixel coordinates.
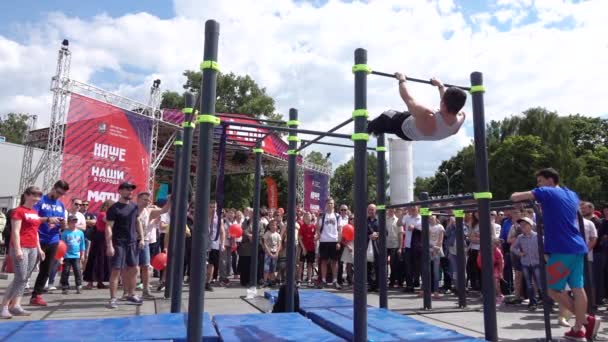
(421, 122)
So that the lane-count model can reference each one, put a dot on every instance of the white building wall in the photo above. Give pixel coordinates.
(11, 160)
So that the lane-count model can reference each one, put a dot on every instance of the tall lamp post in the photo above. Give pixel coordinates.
(449, 178)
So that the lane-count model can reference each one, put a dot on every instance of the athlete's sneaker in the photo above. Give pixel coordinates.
(134, 300)
(112, 304)
(578, 336)
(38, 301)
(592, 327)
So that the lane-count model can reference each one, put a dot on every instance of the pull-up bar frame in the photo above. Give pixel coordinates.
(418, 80)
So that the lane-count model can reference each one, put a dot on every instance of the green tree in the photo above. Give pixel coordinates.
(514, 163)
(343, 181)
(424, 184)
(236, 94)
(317, 158)
(588, 133)
(14, 127)
(172, 100)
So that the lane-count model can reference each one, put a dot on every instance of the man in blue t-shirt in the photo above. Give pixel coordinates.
(52, 217)
(565, 247)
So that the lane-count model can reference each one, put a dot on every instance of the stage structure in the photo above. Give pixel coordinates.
(163, 129)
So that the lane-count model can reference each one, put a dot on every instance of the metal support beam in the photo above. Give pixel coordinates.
(485, 229)
(237, 116)
(547, 302)
(304, 142)
(200, 233)
(292, 130)
(428, 202)
(291, 212)
(181, 207)
(324, 135)
(360, 208)
(178, 143)
(460, 261)
(255, 224)
(381, 201)
(418, 80)
(426, 256)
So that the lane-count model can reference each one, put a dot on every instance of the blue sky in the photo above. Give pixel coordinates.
(532, 52)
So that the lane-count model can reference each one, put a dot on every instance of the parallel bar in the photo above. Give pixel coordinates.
(381, 201)
(485, 231)
(323, 136)
(181, 210)
(255, 224)
(589, 286)
(547, 302)
(461, 264)
(290, 130)
(304, 142)
(236, 116)
(200, 233)
(433, 201)
(241, 130)
(426, 259)
(495, 205)
(360, 208)
(172, 216)
(291, 218)
(418, 80)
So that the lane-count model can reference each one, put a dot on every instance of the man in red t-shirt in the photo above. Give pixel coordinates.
(307, 242)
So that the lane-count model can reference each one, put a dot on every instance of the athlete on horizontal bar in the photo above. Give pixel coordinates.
(421, 122)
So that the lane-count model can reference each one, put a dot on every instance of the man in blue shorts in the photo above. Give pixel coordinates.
(565, 248)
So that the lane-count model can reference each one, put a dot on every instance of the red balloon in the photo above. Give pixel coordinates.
(348, 232)
(62, 248)
(159, 262)
(235, 231)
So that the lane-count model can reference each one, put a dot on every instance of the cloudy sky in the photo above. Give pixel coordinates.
(551, 53)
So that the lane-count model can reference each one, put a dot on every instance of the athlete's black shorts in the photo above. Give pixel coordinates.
(390, 121)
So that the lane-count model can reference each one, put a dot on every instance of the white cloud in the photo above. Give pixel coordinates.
(303, 55)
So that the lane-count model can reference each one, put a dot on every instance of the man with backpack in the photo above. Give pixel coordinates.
(329, 234)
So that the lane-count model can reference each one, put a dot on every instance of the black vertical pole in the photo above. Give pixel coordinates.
(207, 120)
(181, 208)
(460, 259)
(360, 138)
(172, 215)
(483, 197)
(547, 302)
(291, 210)
(426, 255)
(255, 223)
(587, 270)
(381, 202)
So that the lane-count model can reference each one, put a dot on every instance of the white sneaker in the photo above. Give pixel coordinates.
(52, 288)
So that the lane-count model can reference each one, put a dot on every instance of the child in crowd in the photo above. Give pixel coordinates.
(306, 238)
(74, 240)
(498, 267)
(272, 246)
(526, 246)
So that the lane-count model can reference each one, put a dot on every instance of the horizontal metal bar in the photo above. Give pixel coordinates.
(438, 200)
(323, 136)
(241, 130)
(236, 116)
(412, 79)
(334, 144)
(292, 130)
(473, 205)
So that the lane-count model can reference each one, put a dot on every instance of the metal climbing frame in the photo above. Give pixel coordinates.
(62, 87)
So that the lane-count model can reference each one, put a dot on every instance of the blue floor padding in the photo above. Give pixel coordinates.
(315, 299)
(270, 328)
(161, 327)
(383, 326)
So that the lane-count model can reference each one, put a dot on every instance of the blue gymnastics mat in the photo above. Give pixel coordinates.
(315, 299)
(383, 326)
(277, 327)
(161, 327)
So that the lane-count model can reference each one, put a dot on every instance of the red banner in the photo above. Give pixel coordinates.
(273, 193)
(103, 147)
